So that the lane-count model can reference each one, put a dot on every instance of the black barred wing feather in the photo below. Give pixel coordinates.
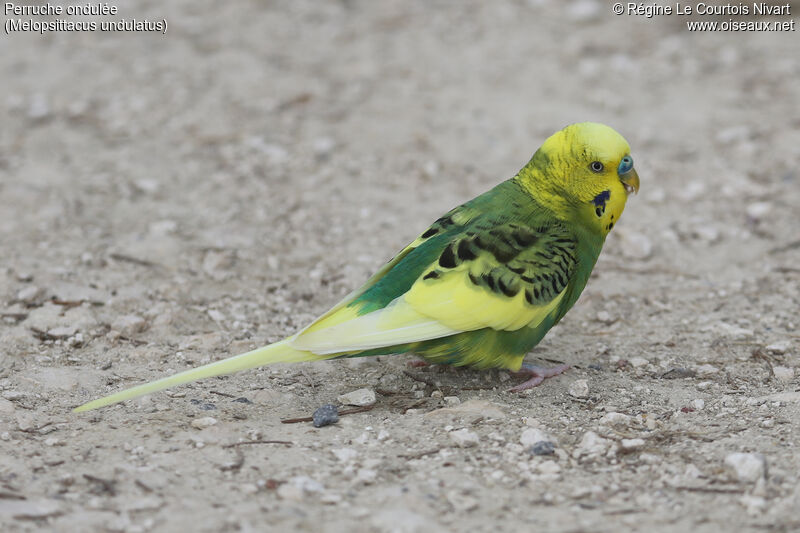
(500, 275)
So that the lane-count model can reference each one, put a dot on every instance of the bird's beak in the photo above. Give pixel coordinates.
(630, 180)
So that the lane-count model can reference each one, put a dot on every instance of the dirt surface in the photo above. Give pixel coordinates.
(168, 200)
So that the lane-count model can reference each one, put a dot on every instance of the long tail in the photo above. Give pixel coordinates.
(279, 352)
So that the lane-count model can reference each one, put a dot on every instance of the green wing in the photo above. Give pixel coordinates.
(483, 265)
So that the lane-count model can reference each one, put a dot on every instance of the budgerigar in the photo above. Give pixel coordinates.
(485, 282)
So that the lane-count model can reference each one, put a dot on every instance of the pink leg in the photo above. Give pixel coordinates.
(537, 374)
(418, 364)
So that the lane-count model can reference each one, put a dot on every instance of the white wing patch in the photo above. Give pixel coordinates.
(397, 323)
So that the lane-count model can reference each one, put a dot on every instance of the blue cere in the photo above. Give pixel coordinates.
(625, 165)
(602, 198)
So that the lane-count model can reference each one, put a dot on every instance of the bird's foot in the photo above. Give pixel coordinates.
(537, 374)
(419, 363)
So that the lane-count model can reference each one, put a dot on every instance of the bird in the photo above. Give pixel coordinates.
(484, 283)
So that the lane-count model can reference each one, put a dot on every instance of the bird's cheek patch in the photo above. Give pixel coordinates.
(599, 202)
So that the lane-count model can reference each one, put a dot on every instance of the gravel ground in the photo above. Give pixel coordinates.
(167, 200)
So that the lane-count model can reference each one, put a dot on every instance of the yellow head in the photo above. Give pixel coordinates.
(583, 173)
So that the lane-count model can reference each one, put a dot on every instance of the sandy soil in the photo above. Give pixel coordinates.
(170, 200)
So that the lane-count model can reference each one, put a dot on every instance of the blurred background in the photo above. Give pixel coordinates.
(167, 198)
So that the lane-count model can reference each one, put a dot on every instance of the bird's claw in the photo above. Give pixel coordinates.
(536, 375)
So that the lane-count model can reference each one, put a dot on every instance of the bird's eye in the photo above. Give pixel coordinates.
(625, 165)
(596, 166)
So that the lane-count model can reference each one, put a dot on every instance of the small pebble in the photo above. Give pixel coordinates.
(629, 445)
(216, 262)
(30, 294)
(201, 405)
(204, 422)
(24, 276)
(33, 509)
(778, 347)
(367, 476)
(733, 134)
(678, 373)
(706, 370)
(61, 332)
(707, 233)
(215, 315)
(323, 146)
(548, 468)
(604, 316)
(451, 400)
(579, 389)
(533, 436)
(325, 415)
(543, 447)
(360, 397)
(344, 454)
(299, 488)
(617, 420)
(584, 10)
(129, 325)
(748, 467)
(330, 499)
(758, 210)
(464, 438)
(462, 502)
(732, 331)
(592, 445)
(784, 374)
(755, 505)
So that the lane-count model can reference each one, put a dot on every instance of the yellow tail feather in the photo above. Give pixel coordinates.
(279, 352)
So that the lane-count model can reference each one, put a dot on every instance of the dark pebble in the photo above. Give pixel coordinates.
(325, 415)
(242, 399)
(543, 447)
(678, 373)
(203, 406)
